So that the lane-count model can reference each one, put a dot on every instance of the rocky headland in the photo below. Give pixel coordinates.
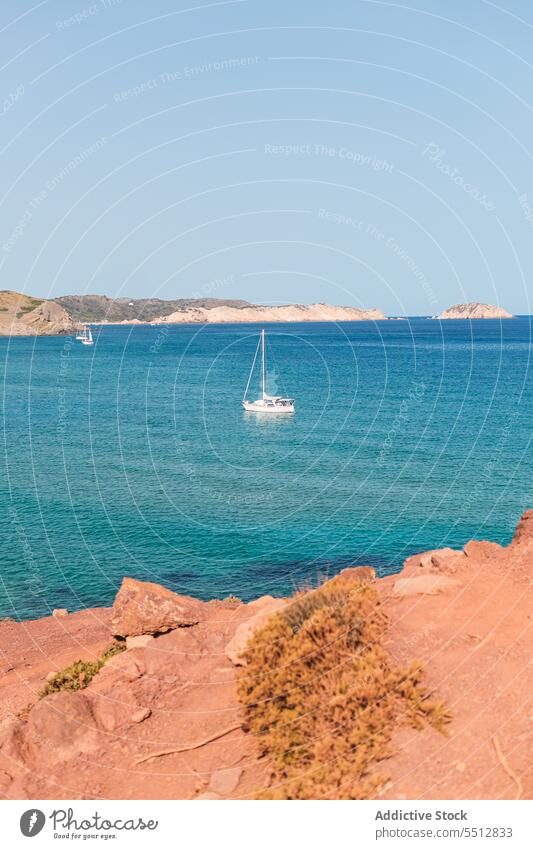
(474, 310)
(22, 315)
(413, 686)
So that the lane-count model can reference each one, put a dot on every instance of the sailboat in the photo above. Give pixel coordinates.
(86, 337)
(267, 403)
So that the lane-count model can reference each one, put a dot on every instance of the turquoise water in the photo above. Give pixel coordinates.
(134, 457)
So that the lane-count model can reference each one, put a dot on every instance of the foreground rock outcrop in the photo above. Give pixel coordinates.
(146, 608)
(474, 310)
(162, 719)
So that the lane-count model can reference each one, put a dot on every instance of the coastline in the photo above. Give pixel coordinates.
(462, 614)
(252, 323)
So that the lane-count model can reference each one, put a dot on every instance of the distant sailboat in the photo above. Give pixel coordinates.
(86, 337)
(267, 403)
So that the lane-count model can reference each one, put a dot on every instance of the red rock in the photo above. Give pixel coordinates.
(524, 529)
(110, 711)
(436, 560)
(141, 714)
(118, 708)
(139, 642)
(169, 653)
(128, 665)
(359, 574)
(264, 602)
(14, 743)
(145, 608)
(423, 585)
(224, 781)
(481, 549)
(5, 780)
(237, 644)
(62, 725)
(447, 559)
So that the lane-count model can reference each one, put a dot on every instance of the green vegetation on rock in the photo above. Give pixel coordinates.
(94, 308)
(80, 673)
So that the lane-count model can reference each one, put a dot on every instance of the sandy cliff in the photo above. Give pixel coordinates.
(22, 315)
(165, 718)
(292, 312)
(474, 310)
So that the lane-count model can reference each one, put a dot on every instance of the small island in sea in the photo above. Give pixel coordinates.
(474, 309)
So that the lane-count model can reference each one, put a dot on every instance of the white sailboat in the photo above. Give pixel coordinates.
(86, 337)
(267, 403)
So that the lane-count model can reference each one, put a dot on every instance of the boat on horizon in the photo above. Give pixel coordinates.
(266, 403)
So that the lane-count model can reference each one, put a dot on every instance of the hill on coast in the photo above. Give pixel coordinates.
(96, 308)
(100, 308)
(22, 315)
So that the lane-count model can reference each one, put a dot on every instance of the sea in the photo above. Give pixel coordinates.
(135, 457)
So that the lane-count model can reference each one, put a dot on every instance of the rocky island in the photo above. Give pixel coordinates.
(474, 310)
(412, 686)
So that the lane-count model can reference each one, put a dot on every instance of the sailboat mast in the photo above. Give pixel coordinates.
(263, 361)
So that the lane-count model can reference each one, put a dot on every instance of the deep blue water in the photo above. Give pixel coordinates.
(134, 457)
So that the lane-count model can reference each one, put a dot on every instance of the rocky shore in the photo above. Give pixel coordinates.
(162, 715)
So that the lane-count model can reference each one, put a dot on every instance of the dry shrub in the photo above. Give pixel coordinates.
(323, 697)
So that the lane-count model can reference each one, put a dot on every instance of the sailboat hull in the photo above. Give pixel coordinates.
(275, 408)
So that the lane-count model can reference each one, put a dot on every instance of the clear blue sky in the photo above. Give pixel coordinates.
(363, 153)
